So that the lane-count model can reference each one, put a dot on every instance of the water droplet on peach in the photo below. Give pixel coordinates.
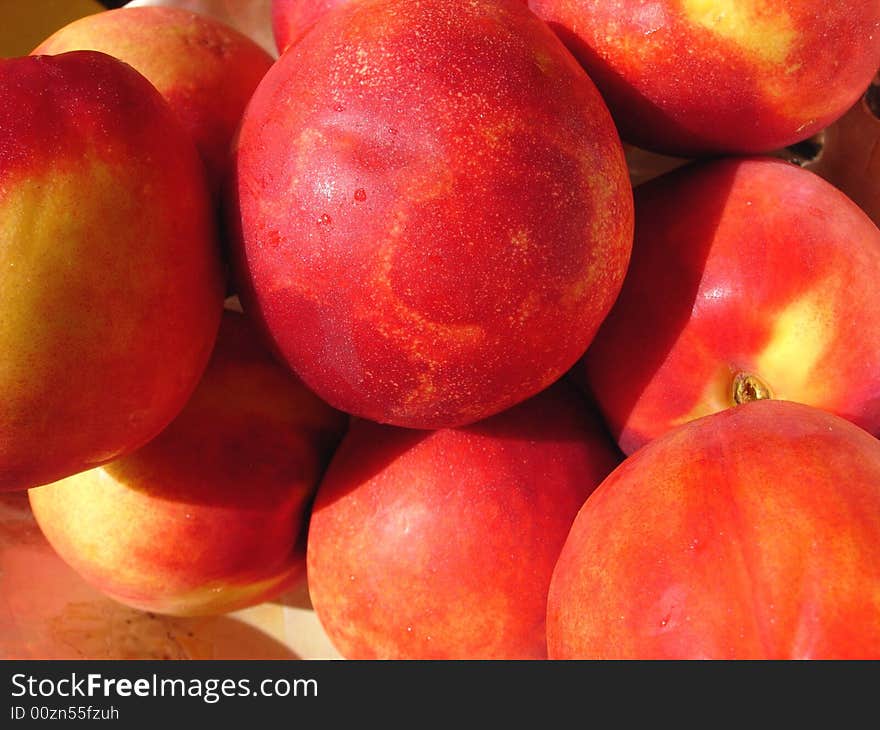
(360, 195)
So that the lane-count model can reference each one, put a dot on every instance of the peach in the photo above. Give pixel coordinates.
(750, 534)
(210, 516)
(694, 77)
(441, 545)
(433, 209)
(749, 279)
(110, 278)
(206, 70)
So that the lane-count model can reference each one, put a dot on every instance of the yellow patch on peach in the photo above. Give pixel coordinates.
(787, 365)
(800, 338)
(52, 223)
(92, 519)
(767, 39)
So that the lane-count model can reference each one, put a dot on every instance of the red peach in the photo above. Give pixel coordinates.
(110, 278)
(691, 77)
(210, 516)
(434, 209)
(749, 278)
(750, 534)
(206, 70)
(441, 545)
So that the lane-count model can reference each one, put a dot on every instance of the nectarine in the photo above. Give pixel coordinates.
(694, 77)
(434, 209)
(440, 545)
(110, 278)
(209, 516)
(750, 278)
(750, 534)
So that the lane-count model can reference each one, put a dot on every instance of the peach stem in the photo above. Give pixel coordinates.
(748, 388)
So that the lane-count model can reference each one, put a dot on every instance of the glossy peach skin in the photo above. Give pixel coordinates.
(110, 276)
(750, 534)
(695, 77)
(434, 209)
(740, 267)
(206, 70)
(210, 516)
(440, 545)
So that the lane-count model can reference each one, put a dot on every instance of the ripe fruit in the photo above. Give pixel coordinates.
(750, 534)
(110, 279)
(208, 517)
(434, 209)
(440, 545)
(749, 278)
(693, 77)
(207, 71)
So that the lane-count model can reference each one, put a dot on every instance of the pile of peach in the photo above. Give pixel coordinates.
(487, 400)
